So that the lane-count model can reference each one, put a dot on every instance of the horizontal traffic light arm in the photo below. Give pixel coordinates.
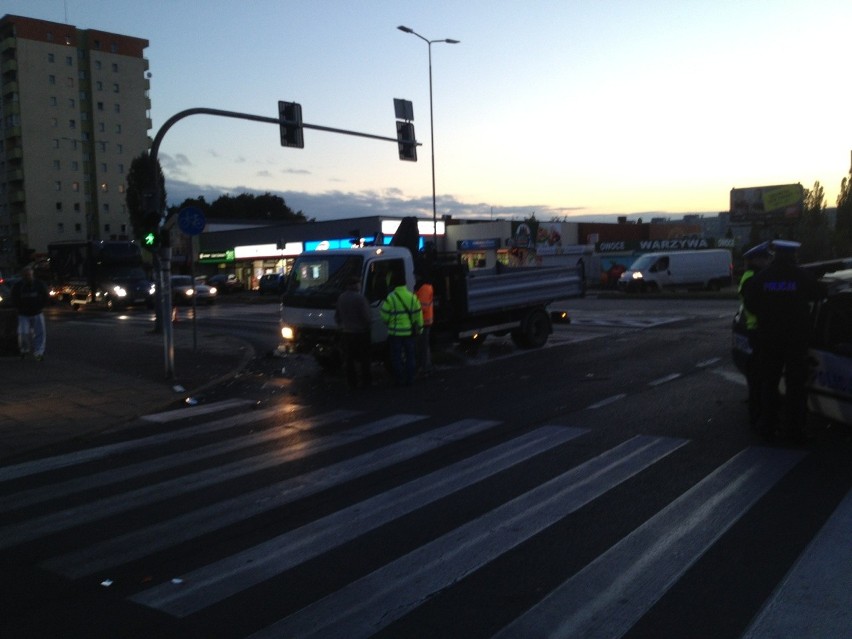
(158, 139)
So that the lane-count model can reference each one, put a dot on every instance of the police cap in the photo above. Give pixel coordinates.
(760, 250)
(785, 246)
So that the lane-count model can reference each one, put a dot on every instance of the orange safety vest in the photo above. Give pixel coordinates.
(425, 294)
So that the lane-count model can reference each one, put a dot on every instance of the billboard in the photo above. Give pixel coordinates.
(767, 204)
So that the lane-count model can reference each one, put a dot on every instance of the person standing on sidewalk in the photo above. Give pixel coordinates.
(29, 296)
(353, 319)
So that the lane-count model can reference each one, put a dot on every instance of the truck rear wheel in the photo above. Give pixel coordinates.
(534, 330)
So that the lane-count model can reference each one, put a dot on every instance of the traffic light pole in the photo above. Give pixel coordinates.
(164, 289)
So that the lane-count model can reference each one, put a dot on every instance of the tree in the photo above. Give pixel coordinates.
(843, 224)
(141, 181)
(812, 229)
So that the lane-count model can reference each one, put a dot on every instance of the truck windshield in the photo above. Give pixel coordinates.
(316, 280)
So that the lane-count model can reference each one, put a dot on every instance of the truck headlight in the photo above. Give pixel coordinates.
(119, 291)
(288, 333)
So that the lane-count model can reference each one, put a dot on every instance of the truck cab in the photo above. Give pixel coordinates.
(316, 280)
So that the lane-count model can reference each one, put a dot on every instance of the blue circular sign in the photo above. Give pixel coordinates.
(191, 220)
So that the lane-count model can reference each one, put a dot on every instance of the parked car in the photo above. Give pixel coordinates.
(271, 283)
(226, 283)
(184, 289)
(830, 354)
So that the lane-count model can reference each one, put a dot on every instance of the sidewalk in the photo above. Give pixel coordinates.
(92, 379)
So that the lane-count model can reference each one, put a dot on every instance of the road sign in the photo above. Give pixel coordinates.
(191, 220)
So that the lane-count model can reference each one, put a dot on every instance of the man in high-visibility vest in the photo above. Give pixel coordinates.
(403, 316)
(757, 258)
(425, 294)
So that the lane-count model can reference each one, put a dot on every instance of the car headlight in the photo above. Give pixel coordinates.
(288, 333)
(189, 292)
(152, 290)
(213, 290)
(119, 291)
(637, 275)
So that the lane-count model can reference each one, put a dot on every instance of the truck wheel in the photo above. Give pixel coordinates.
(329, 362)
(536, 328)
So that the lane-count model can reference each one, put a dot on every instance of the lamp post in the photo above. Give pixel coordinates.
(431, 126)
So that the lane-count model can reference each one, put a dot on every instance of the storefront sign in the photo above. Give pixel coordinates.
(478, 245)
(216, 256)
(256, 251)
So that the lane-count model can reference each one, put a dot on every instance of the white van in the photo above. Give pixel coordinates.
(710, 269)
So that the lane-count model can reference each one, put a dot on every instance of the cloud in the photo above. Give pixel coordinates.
(340, 204)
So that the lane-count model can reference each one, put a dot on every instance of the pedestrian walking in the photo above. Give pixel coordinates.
(403, 316)
(425, 295)
(780, 296)
(756, 259)
(353, 319)
(29, 296)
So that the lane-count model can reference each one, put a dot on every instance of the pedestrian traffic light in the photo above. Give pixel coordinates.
(290, 122)
(407, 143)
(150, 230)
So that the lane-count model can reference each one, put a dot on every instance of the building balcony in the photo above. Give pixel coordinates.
(7, 43)
(14, 175)
(8, 65)
(17, 196)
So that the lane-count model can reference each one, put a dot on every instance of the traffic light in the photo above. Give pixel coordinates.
(290, 121)
(150, 231)
(407, 142)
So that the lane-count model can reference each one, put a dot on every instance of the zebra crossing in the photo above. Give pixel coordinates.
(233, 516)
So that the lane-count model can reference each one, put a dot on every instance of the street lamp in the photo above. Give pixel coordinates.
(431, 126)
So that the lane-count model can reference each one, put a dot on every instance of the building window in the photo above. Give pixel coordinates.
(72, 124)
(72, 103)
(99, 85)
(121, 188)
(54, 122)
(51, 57)
(118, 128)
(115, 67)
(60, 227)
(51, 79)
(77, 207)
(57, 185)
(100, 106)
(69, 60)
(78, 227)
(53, 101)
(117, 107)
(59, 206)
(69, 81)
(101, 127)
(55, 143)
(75, 186)
(82, 74)
(104, 185)
(106, 228)
(103, 167)
(75, 165)
(115, 87)
(121, 172)
(102, 146)
(56, 165)
(97, 44)
(119, 148)
(113, 47)
(98, 65)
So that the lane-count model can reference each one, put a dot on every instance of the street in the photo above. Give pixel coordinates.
(606, 485)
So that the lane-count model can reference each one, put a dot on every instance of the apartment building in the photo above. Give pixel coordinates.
(74, 113)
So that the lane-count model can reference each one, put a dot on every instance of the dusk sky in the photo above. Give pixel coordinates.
(563, 108)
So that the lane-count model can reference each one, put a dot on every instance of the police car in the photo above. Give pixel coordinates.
(830, 353)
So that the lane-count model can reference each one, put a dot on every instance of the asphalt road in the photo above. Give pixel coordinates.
(606, 485)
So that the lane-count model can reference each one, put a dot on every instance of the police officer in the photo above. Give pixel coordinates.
(756, 259)
(780, 297)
